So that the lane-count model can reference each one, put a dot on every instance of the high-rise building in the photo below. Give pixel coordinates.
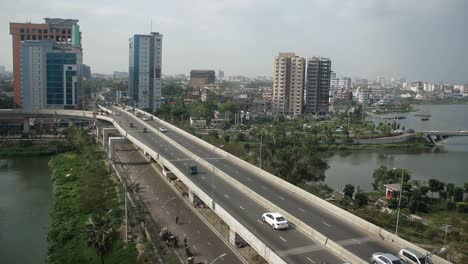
(318, 85)
(220, 75)
(49, 75)
(84, 71)
(2, 69)
(200, 78)
(288, 84)
(145, 63)
(63, 32)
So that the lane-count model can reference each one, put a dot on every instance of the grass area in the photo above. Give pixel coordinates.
(28, 148)
(82, 187)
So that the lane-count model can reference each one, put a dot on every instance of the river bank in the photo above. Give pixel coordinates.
(82, 188)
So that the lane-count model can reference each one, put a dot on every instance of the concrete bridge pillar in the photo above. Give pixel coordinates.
(106, 133)
(26, 126)
(191, 197)
(112, 141)
(235, 239)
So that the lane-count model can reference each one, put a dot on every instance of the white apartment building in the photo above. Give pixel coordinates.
(145, 63)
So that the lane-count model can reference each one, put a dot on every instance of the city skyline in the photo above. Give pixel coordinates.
(420, 40)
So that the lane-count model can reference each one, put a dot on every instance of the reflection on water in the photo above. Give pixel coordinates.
(25, 193)
(448, 162)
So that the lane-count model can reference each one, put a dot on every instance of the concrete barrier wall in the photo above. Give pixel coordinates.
(306, 196)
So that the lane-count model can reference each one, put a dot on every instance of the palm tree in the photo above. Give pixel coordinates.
(99, 235)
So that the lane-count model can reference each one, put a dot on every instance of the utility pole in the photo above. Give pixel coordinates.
(261, 143)
(399, 204)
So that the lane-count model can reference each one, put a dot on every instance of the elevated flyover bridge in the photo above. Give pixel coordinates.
(438, 136)
(239, 193)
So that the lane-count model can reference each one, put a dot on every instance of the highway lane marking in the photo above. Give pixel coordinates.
(310, 260)
(302, 210)
(281, 198)
(265, 188)
(249, 179)
(283, 239)
(241, 207)
(354, 241)
(209, 244)
(206, 262)
(203, 177)
(225, 195)
(156, 198)
(194, 246)
(326, 224)
(260, 222)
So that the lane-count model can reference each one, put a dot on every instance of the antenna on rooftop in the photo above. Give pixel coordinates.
(151, 25)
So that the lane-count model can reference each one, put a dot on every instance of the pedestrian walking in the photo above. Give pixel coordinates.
(185, 241)
(177, 219)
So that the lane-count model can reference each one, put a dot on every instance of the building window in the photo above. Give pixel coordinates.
(45, 31)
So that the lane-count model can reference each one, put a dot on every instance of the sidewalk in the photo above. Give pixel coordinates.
(155, 192)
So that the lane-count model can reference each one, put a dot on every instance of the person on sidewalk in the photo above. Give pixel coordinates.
(177, 219)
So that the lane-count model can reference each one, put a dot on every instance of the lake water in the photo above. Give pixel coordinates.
(448, 165)
(25, 195)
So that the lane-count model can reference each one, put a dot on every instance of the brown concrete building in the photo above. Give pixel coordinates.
(64, 32)
(200, 78)
(288, 84)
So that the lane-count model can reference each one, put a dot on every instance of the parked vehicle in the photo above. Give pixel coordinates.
(145, 130)
(411, 256)
(131, 125)
(384, 258)
(275, 220)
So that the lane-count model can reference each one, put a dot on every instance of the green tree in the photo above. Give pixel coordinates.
(362, 199)
(99, 235)
(348, 190)
(383, 175)
(458, 194)
(450, 188)
(435, 186)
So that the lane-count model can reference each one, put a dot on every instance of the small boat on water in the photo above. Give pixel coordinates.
(400, 117)
(425, 119)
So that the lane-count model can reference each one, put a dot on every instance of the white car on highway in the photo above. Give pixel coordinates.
(146, 118)
(163, 129)
(275, 220)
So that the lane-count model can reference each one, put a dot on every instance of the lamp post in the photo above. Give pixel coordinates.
(399, 202)
(220, 256)
(261, 143)
(162, 209)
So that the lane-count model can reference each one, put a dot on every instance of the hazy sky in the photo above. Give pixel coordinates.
(416, 39)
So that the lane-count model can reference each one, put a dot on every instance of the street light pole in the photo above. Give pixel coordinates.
(261, 143)
(162, 209)
(220, 256)
(399, 203)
